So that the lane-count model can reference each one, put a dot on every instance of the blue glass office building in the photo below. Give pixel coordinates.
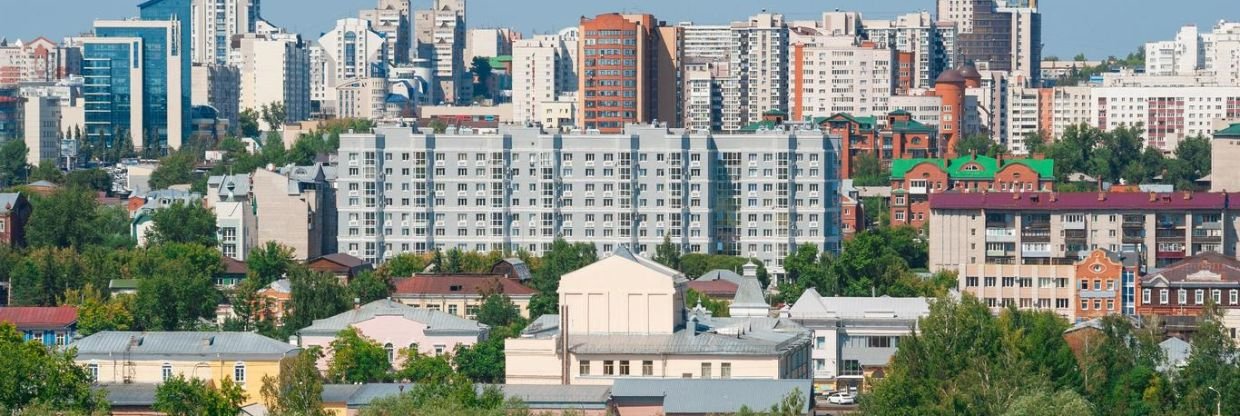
(107, 67)
(178, 10)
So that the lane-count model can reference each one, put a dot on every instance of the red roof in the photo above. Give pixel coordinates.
(714, 288)
(1079, 201)
(39, 317)
(234, 266)
(460, 285)
(1227, 268)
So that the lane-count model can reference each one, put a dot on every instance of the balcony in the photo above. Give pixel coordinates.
(1001, 235)
(1134, 236)
(1169, 234)
(1074, 224)
(918, 190)
(1035, 236)
(1073, 235)
(999, 253)
(1035, 250)
(1207, 236)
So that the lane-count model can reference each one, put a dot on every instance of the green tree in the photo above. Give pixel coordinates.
(438, 126)
(453, 262)
(47, 171)
(176, 169)
(297, 390)
(178, 396)
(561, 259)
(97, 313)
(13, 167)
(717, 308)
(481, 68)
(182, 222)
(248, 122)
(66, 218)
(482, 362)
(498, 310)
(979, 144)
(458, 396)
(420, 368)
(1035, 142)
(869, 171)
(95, 179)
(1043, 403)
(694, 265)
(269, 262)
(175, 296)
(1211, 365)
(404, 265)
(357, 359)
(274, 115)
(1080, 57)
(32, 375)
(370, 286)
(667, 253)
(315, 295)
(43, 274)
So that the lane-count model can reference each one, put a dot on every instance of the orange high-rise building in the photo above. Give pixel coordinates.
(950, 87)
(621, 59)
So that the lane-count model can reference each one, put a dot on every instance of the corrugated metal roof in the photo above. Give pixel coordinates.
(130, 394)
(39, 317)
(339, 393)
(812, 305)
(716, 336)
(698, 396)
(368, 393)
(219, 345)
(459, 284)
(543, 396)
(437, 323)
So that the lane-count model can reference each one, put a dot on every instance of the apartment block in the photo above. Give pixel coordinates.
(1049, 228)
(1166, 114)
(897, 136)
(236, 220)
(1005, 35)
(1225, 148)
(40, 60)
(709, 43)
(440, 39)
(756, 195)
(830, 75)
(275, 68)
(353, 50)
(544, 75)
(629, 72)
(393, 20)
(1069, 106)
(1184, 288)
(1106, 284)
(759, 55)
(218, 86)
(931, 46)
(213, 25)
(41, 129)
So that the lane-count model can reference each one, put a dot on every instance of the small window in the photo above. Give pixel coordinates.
(648, 368)
(92, 370)
(624, 367)
(1145, 296)
(239, 372)
(165, 372)
(391, 353)
(583, 368)
(609, 367)
(1199, 297)
(1162, 296)
(705, 370)
(725, 370)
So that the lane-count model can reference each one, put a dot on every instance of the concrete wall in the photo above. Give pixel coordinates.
(285, 218)
(150, 371)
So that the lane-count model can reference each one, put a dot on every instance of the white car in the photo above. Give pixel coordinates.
(841, 397)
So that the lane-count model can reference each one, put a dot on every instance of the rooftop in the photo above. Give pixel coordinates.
(437, 323)
(1231, 132)
(978, 167)
(1208, 268)
(8, 201)
(191, 345)
(460, 284)
(812, 305)
(341, 259)
(698, 396)
(1079, 201)
(713, 336)
(39, 317)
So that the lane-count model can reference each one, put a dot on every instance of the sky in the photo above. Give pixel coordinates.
(1098, 28)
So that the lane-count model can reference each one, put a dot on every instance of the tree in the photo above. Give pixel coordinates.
(1043, 403)
(42, 275)
(561, 259)
(498, 310)
(175, 296)
(32, 375)
(694, 265)
(12, 163)
(458, 396)
(418, 368)
(269, 262)
(66, 218)
(403, 265)
(189, 223)
(481, 68)
(453, 262)
(178, 396)
(667, 253)
(979, 144)
(869, 171)
(97, 313)
(438, 126)
(1212, 364)
(1035, 142)
(315, 295)
(94, 179)
(482, 362)
(248, 122)
(298, 388)
(1080, 57)
(357, 359)
(370, 286)
(717, 308)
(274, 115)
(176, 169)
(47, 171)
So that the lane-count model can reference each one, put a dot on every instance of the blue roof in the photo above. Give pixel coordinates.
(711, 396)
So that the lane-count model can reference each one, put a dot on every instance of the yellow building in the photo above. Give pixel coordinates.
(115, 357)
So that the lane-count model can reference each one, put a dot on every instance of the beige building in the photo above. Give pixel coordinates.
(361, 98)
(294, 208)
(1026, 286)
(624, 317)
(218, 86)
(41, 128)
(274, 69)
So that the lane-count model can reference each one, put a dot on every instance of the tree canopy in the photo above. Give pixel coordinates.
(34, 376)
(357, 359)
(179, 396)
(562, 258)
(183, 223)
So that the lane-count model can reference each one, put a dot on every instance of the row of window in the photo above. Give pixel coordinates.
(1199, 296)
(622, 368)
(165, 371)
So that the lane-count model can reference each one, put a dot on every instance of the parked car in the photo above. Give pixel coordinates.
(842, 397)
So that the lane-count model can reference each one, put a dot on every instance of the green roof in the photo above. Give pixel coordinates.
(498, 61)
(988, 166)
(1230, 131)
(900, 112)
(774, 112)
(912, 126)
(122, 284)
(867, 122)
(755, 126)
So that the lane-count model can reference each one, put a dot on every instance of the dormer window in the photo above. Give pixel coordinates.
(455, 288)
(971, 168)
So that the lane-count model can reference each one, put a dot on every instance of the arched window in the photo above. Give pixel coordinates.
(391, 353)
(239, 372)
(93, 370)
(165, 371)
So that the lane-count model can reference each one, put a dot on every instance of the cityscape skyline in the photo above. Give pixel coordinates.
(1066, 32)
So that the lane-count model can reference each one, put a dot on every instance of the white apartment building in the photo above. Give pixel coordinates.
(759, 55)
(235, 219)
(275, 69)
(489, 42)
(1022, 115)
(41, 129)
(353, 49)
(213, 25)
(1070, 106)
(932, 45)
(710, 43)
(703, 105)
(441, 40)
(757, 195)
(392, 20)
(1026, 38)
(926, 109)
(1182, 56)
(836, 74)
(544, 70)
(68, 94)
(1223, 52)
(362, 98)
(1166, 114)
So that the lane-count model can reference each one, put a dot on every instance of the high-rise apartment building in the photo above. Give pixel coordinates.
(759, 55)
(393, 20)
(838, 74)
(353, 49)
(441, 40)
(39, 60)
(629, 72)
(709, 43)
(133, 69)
(218, 86)
(544, 72)
(756, 195)
(41, 129)
(1182, 56)
(1166, 115)
(361, 98)
(703, 94)
(932, 45)
(1006, 35)
(275, 69)
(215, 22)
(489, 43)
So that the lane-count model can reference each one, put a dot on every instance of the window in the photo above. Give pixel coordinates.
(239, 372)
(1162, 296)
(452, 309)
(165, 371)
(583, 368)
(92, 369)
(879, 342)
(1145, 296)
(609, 367)
(850, 368)
(439, 349)
(705, 370)
(1235, 296)
(60, 336)
(1217, 295)
(725, 370)
(1199, 297)
(647, 368)
(391, 354)
(820, 343)
(624, 367)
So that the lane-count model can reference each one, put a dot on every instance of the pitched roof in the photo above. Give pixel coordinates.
(1231, 132)
(38, 316)
(437, 323)
(1176, 351)
(912, 126)
(710, 396)
(544, 396)
(192, 345)
(1205, 269)
(758, 336)
(1078, 201)
(749, 294)
(714, 288)
(626, 253)
(341, 259)
(518, 265)
(460, 285)
(987, 166)
(720, 274)
(812, 305)
(8, 200)
(234, 266)
(141, 394)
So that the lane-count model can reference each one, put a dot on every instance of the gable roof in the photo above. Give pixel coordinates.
(1231, 132)
(459, 284)
(710, 396)
(39, 317)
(437, 323)
(341, 259)
(988, 166)
(8, 200)
(234, 266)
(625, 252)
(714, 288)
(749, 294)
(812, 305)
(518, 265)
(192, 345)
(1205, 269)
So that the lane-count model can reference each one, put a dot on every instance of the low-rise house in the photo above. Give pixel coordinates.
(914, 180)
(343, 266)
(117, 357)
(1182, 289)
(460, 294)
(396, 326)
(691, 397)
(15, 211)
(276, 296)
(142, 221)
(234, 272)
(1106, 284)
(624, 316)
(123, 286)
(855, 337)
(716, 284)
(53, 326)
(513, 268)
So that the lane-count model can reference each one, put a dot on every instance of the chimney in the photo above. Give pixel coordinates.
(1102, 196)
(1153, 196)
(749, 270)
(1188, 195)
(1054, 197)
(1015, 195)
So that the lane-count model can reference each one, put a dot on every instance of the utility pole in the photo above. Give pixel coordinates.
(1218, 404)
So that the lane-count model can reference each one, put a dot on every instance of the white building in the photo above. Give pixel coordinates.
(275, 69)
(1166, 114)
(1070, 106)
(1022, 114)
(392, 20)
(489, 42)
(926, 109)
(353, 49)
(213, 25)
(235, 218)
(1222, 51)
(362, 98)
(703, 106)
(1182, 56)
(41, 128)
(1026, 38)
(544, 71)
(710, 43)
(759, 55)
(441, 39)
(837, 74)
(932, 45)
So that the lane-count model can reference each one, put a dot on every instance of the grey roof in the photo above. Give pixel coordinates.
(368, 393)
(700, 396)
(545, 325)
(625, 252)
(8, 200)
(1176, 351)
(339, 393)
(281, 286)
(547, 396)
(148, 345)
(43, 184)
(811, 305)
(123, 284)
(716, 336)
(722, 274)
(437, 323)
(522, 269)
(749, 294)
(240, 184)
(130, 394)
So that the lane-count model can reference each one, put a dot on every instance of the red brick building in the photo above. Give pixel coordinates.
(913, 180)
(1184, 287)
(1100, 283)
(852, 216)
(15, 211)
(900, 137)
(629, 65)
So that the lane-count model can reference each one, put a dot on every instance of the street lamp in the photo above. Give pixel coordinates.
(1218, 405)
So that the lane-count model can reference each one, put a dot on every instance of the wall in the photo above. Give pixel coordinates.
(282, 217)
(150, 371)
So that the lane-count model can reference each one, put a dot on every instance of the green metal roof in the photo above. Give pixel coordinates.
(1230, 131)
(987, 166)
(866, 123)
(498, 61)
(755, 126)
(912, 126)
(774, 112)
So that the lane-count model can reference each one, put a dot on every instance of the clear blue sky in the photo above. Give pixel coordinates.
(1096, 27)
